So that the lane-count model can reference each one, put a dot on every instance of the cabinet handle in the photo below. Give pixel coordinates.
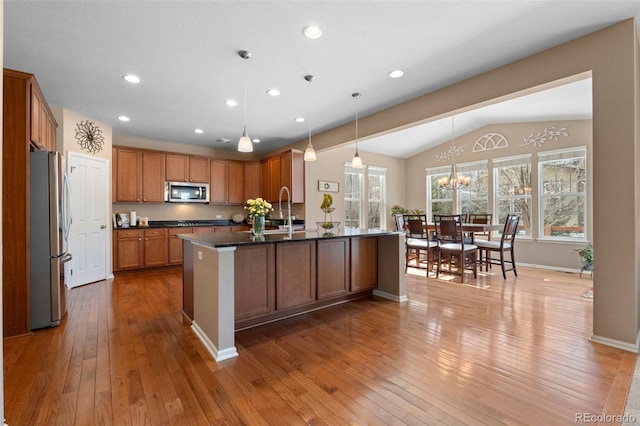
(137, 199)
(139, 239)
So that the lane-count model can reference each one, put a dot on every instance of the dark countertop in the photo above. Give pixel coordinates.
(207, 222)
(231, 239)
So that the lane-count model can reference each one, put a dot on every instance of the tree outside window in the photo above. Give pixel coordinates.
(563, 180)
(439, 200)
(356, 214)
(352, 199)
(513, 191)
(475, 197)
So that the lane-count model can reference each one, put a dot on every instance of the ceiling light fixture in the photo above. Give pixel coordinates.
(312, 31)
(198, 131)
(256, 140)
(356, 163)
(309, 153)
(299, 119)
(453, 181)
(396, 73)
(123, 118)
(231, 103)
(130, 78)
(273, 92)
(244, 144)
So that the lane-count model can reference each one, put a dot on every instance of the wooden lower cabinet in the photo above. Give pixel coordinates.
(175, 244)
(255, 281)
(295, 274)
(333, 268)
(364, 261)
(129, 249)
(155, 247)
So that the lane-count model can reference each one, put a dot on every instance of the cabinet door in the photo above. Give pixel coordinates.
(364, 261)
(266, 181)
(129, 176)
(254, 280)
(218, 184)
(333, 268)
(199, 169)
(203, 229)
(292, 174)
(153, 164)
(295, 274)
(53, 145)
(177, 167)
(36, 117)
(235, 183)
(155, 247)
(274, 179)
(129, 253)
(252, 187)
(175, 245)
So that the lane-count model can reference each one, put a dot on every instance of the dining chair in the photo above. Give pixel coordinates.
(418, 245)
(479, 218)
(452, 247)
(505, 245)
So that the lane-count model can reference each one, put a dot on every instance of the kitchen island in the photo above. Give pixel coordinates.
(233, 281)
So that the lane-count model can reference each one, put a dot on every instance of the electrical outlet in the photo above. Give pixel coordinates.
(199, 255)
(218, 216)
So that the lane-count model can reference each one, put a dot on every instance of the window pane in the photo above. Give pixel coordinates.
(475, 197)
(564, 216)
(513, 194)
(352, 214)
(441, 207)
(475, 206)
(564, 176)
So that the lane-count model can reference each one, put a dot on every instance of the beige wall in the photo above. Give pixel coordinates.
(329, 166)
(611, 55)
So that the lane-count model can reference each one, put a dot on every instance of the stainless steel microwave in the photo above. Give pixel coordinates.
(186, 192)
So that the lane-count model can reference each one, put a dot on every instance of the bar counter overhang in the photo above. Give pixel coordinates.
(233, 280)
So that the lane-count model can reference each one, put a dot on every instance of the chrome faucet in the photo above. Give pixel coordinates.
(288, 222)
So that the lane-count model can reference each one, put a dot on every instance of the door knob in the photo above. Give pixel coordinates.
(103, 226)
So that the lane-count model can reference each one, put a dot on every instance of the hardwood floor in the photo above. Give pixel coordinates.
(488, 352)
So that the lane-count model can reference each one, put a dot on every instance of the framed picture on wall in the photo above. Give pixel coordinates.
(327, 186)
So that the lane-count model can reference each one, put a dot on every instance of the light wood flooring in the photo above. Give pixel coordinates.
(490, 352)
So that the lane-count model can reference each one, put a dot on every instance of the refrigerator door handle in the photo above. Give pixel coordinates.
(67, 208)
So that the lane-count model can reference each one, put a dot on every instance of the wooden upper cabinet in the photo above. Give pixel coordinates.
(36, 117)
(153, 165)
(235, 182)
(199, 169)
(128, 175)
(285, 169)
(43, 124)
(218, 182)
(252, 188)
(177, 167)
(185, 168)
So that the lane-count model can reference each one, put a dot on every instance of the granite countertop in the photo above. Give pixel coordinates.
(231, 239)
(206, 222)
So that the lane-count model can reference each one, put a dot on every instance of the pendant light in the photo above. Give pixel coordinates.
(244, 144)
(309, 153)
(356, 163)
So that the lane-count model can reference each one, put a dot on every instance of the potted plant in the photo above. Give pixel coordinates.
(586, 258)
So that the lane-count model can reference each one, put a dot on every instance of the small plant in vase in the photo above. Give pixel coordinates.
(328, 224)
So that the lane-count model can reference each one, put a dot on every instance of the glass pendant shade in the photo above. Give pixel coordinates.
(356, 163)
(244, 144)
(309, 153)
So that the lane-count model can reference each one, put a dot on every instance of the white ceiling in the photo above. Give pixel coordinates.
(186, 54)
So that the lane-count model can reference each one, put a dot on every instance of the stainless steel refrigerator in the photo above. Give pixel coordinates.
(50, 222)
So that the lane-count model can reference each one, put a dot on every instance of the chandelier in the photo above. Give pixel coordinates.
(453, 181)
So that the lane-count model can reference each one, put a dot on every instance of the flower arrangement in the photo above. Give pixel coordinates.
(258, 207)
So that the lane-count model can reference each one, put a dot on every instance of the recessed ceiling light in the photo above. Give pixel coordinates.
(256, 140)
(396, 73)
(312, 32)
(273, 92)
(198, 131)
(123, 118)
(299, 119)
(231, 103)
(131, 78)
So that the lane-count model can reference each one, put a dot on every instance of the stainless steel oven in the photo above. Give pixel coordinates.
(186, 192)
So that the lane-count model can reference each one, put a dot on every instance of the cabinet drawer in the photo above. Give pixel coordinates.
(180, 230)
(156, 232)
(129, 233)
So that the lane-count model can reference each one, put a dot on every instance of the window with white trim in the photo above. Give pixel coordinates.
(512, 183)
(439, 199)
(365, 185)
(474, 198)
(563, 193)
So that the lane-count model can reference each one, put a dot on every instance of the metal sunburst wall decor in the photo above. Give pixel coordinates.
(89, 136)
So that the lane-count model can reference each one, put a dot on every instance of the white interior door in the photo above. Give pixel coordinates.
(89, 182)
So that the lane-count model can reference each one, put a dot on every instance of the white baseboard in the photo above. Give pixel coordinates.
(625, 346)
(390, 296)
(218, 355)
